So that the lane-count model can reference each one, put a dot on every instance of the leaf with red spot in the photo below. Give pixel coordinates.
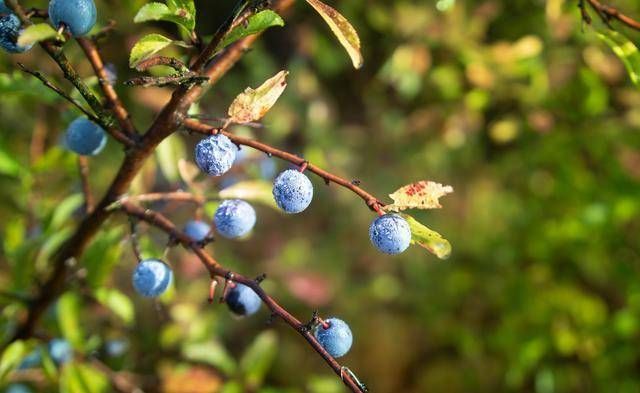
(420, 195)
(253, 104)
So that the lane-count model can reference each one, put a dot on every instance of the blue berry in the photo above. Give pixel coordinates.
(152, 277)
(4, 9)
(242, 300)
(335, 339)
(78, 16)
(32, 360)
(292, 191)
(60, 350)
(85, 137)
(234, 218)
(197, 230)
(115, 348)
(9, 31)
(390, 233)
(215, 155)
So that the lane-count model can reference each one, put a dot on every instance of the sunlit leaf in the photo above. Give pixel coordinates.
(68, 313)
(158, 11)
(626, 50)
(9, 165)
(251, 190)
(212, 353)
(420, 195)
(341, 27)
(168, 153)
(65, 209)
(255, 24)
(147, 47)
(12, 356)
(119, 303)
(428, 238)
(36, 33)
(102, 255)
(253, 104)
(83, 378)
(258, 358)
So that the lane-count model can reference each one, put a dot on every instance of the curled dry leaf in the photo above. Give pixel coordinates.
(253, 104)
(420, 195)
(340, 26)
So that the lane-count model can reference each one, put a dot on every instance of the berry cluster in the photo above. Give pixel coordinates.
(76, 16)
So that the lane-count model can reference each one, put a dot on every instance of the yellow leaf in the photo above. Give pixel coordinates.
(420, 195)
(428, 238)
(252, 105)
(341, 27)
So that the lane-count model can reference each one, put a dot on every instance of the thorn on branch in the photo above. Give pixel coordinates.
(162, 60)
(356, 182)
(261, 278)
(188, 79)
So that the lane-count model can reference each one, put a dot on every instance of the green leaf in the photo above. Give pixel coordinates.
(232, 387)
(168, 154)
(251, 190)
(12, 356)
(147, 47)
(102, 255)
(258, 358)
(118, 302)
(9, 166)
(341, 27)
(83, 378)
(36, 33)
(255, 24)
(68, 313)
(211, 352)
(253, 104)
(625, 50)
(65, 210)
(179, 15)
(427, 238)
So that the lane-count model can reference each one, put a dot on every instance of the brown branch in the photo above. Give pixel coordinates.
(610, 12)
(216, 270)
(162, 60)
(83, 168)
(177, 196)
(372, 202)
(120, 112)
(186, 79)
(167, 122)
(58, 91)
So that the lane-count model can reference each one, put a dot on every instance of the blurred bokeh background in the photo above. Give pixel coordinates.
(516, 104)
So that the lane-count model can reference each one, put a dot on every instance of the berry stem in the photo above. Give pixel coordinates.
(325, 325)
(304, 166)
(212, 290)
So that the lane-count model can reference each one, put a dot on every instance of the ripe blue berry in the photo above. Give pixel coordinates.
(234, 218)
(9, 31)
(336, 338)
(115, 348)
(197, 230)
(292, 191)
(78, 16)
(60, 350)
(152, 277)
(32, 360)
(390, 233)
(18, 388)
(85, 137)
(242, 300)
(215, 155)
(4, 9)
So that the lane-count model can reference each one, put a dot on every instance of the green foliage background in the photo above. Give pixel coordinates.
(520, 107)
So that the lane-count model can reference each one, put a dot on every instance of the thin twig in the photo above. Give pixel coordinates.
(216, 270)
(120, 112)
(162, 60)
(177, 196)
(372, 202)
(608, 12)
(187, 79)
(57, 90)
(83, 168)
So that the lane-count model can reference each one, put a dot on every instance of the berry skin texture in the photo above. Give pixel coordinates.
(336, 339)
(242, 300)
(85, 137)
(390, 234)
(234, 218)
(152, 277)
(60, 350)
(197, 230)
(78, 16)
(215, 155)
(9, 31)
(292, 191)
